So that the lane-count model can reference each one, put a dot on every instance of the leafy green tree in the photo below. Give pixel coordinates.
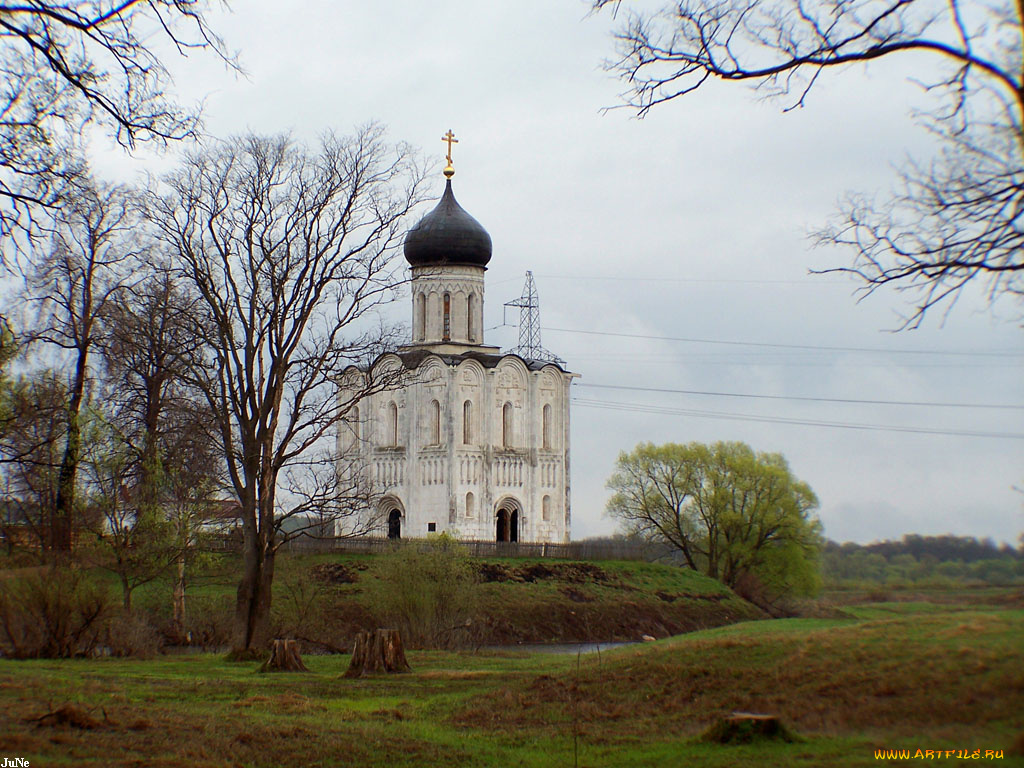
(733, 514)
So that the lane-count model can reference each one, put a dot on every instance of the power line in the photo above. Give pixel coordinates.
(788, 346)
(641, 408)
(746, 281)
(747, 361)
(803, 399)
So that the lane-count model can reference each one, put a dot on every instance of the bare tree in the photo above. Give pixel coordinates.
(289, 252)
(72, 63)
(164, 449)
(191, 484)
(958, 218)
(133, 541)
(70, 291)
(147, 350)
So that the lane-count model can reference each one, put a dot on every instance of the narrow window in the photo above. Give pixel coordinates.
(353, 424)
(393, 424)
(467, 423)
(447, 318)
(546, 427)
(506, 425)
(470, 505)
(421, 316)
(545, 508)
(435, 422)
(470, 329)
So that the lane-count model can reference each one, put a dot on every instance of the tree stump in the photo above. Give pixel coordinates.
(745, 727)
(284, 658)
(376, 652)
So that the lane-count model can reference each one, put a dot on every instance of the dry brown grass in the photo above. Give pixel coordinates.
(285, 702)
(900, 676)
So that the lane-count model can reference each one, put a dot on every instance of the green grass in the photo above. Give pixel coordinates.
(929, 679)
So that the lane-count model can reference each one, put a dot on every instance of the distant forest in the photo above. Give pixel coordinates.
(921, 560)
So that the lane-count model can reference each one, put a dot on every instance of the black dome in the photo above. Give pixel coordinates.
(448, 235)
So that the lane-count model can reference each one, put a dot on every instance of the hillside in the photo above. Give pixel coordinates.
(325, 599)
(537, 601)
(898, 670)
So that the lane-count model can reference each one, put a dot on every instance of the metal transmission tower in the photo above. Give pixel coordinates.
(529, 325)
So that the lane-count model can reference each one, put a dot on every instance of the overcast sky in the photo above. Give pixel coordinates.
(686, 233)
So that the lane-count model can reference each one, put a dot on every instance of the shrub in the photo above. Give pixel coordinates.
(132, 634)
(208, 621)
(300, 606)
(54, 613)
(426, 589)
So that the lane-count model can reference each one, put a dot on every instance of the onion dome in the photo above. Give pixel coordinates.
(448, 236)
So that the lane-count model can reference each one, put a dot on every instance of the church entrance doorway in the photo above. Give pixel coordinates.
(508, 524)
(394, 524)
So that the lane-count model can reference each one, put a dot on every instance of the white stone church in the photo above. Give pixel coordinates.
(475, 442)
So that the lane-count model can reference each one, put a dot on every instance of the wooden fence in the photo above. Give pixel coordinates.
(573, 550)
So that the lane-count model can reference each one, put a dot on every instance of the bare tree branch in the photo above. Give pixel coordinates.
(68, 64)
(955, 220)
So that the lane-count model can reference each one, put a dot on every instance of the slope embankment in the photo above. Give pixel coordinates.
(550, 601)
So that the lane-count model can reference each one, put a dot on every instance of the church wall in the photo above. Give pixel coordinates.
(430, 474)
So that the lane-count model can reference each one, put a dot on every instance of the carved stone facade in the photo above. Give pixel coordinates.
(473, 442)
(467, 438)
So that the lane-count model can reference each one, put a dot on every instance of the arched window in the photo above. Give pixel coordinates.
(435, 422)
(447, 318)
(470, 307)
(506, 425)
(470, 505)
(467, 423)
(546, 427)
(421, 316)
(392, 424)
(545, 508)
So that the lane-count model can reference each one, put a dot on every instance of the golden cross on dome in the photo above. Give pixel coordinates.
(449, 137)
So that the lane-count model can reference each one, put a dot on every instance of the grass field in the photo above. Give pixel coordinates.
(897, 676)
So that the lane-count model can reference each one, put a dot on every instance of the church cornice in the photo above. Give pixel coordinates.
(413, 358)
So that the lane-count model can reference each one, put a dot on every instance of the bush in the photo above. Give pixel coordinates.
(54, 613)
(301, 606)
(208, 621)
(426, 590)
(132, 634)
